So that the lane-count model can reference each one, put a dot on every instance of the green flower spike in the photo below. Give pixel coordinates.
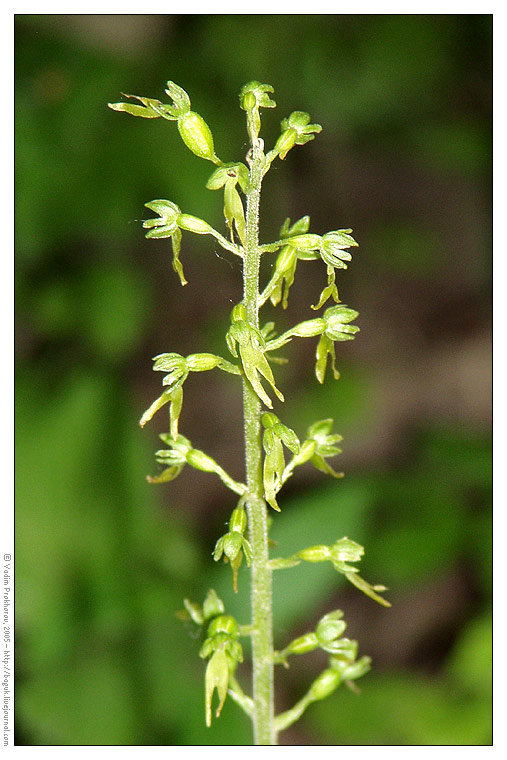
(275, 434)
(251, 345)
(296, 130)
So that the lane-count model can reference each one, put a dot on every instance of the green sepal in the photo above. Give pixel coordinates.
(212, 605)
(181, 100)
(195, 611)
(329, 631)
(151, 108)
(171, 473)
(300, 227)
(134, 110)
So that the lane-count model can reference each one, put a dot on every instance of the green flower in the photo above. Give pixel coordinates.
(275, 434)
(337, 328)
(296, 130)
(333, 249)
(228, 176)
(285, 267)
(233, 545)
(166, 226)
(251, 344)
(225, 650)
(253, 96)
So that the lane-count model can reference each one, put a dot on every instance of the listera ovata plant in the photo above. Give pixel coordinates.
(272, 449)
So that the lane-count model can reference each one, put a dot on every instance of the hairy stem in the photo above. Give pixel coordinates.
(261, 598)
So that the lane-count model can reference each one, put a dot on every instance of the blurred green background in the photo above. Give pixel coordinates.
(103, 558)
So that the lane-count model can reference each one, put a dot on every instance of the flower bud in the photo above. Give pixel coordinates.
(330, 627)
(315, 553)
(197, 136)
(346, 550)
(193, 224)
(325, 684)
(248, 101)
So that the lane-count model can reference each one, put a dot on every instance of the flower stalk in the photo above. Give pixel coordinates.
(261, 580)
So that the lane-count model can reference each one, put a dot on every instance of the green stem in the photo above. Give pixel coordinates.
(261, 598)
